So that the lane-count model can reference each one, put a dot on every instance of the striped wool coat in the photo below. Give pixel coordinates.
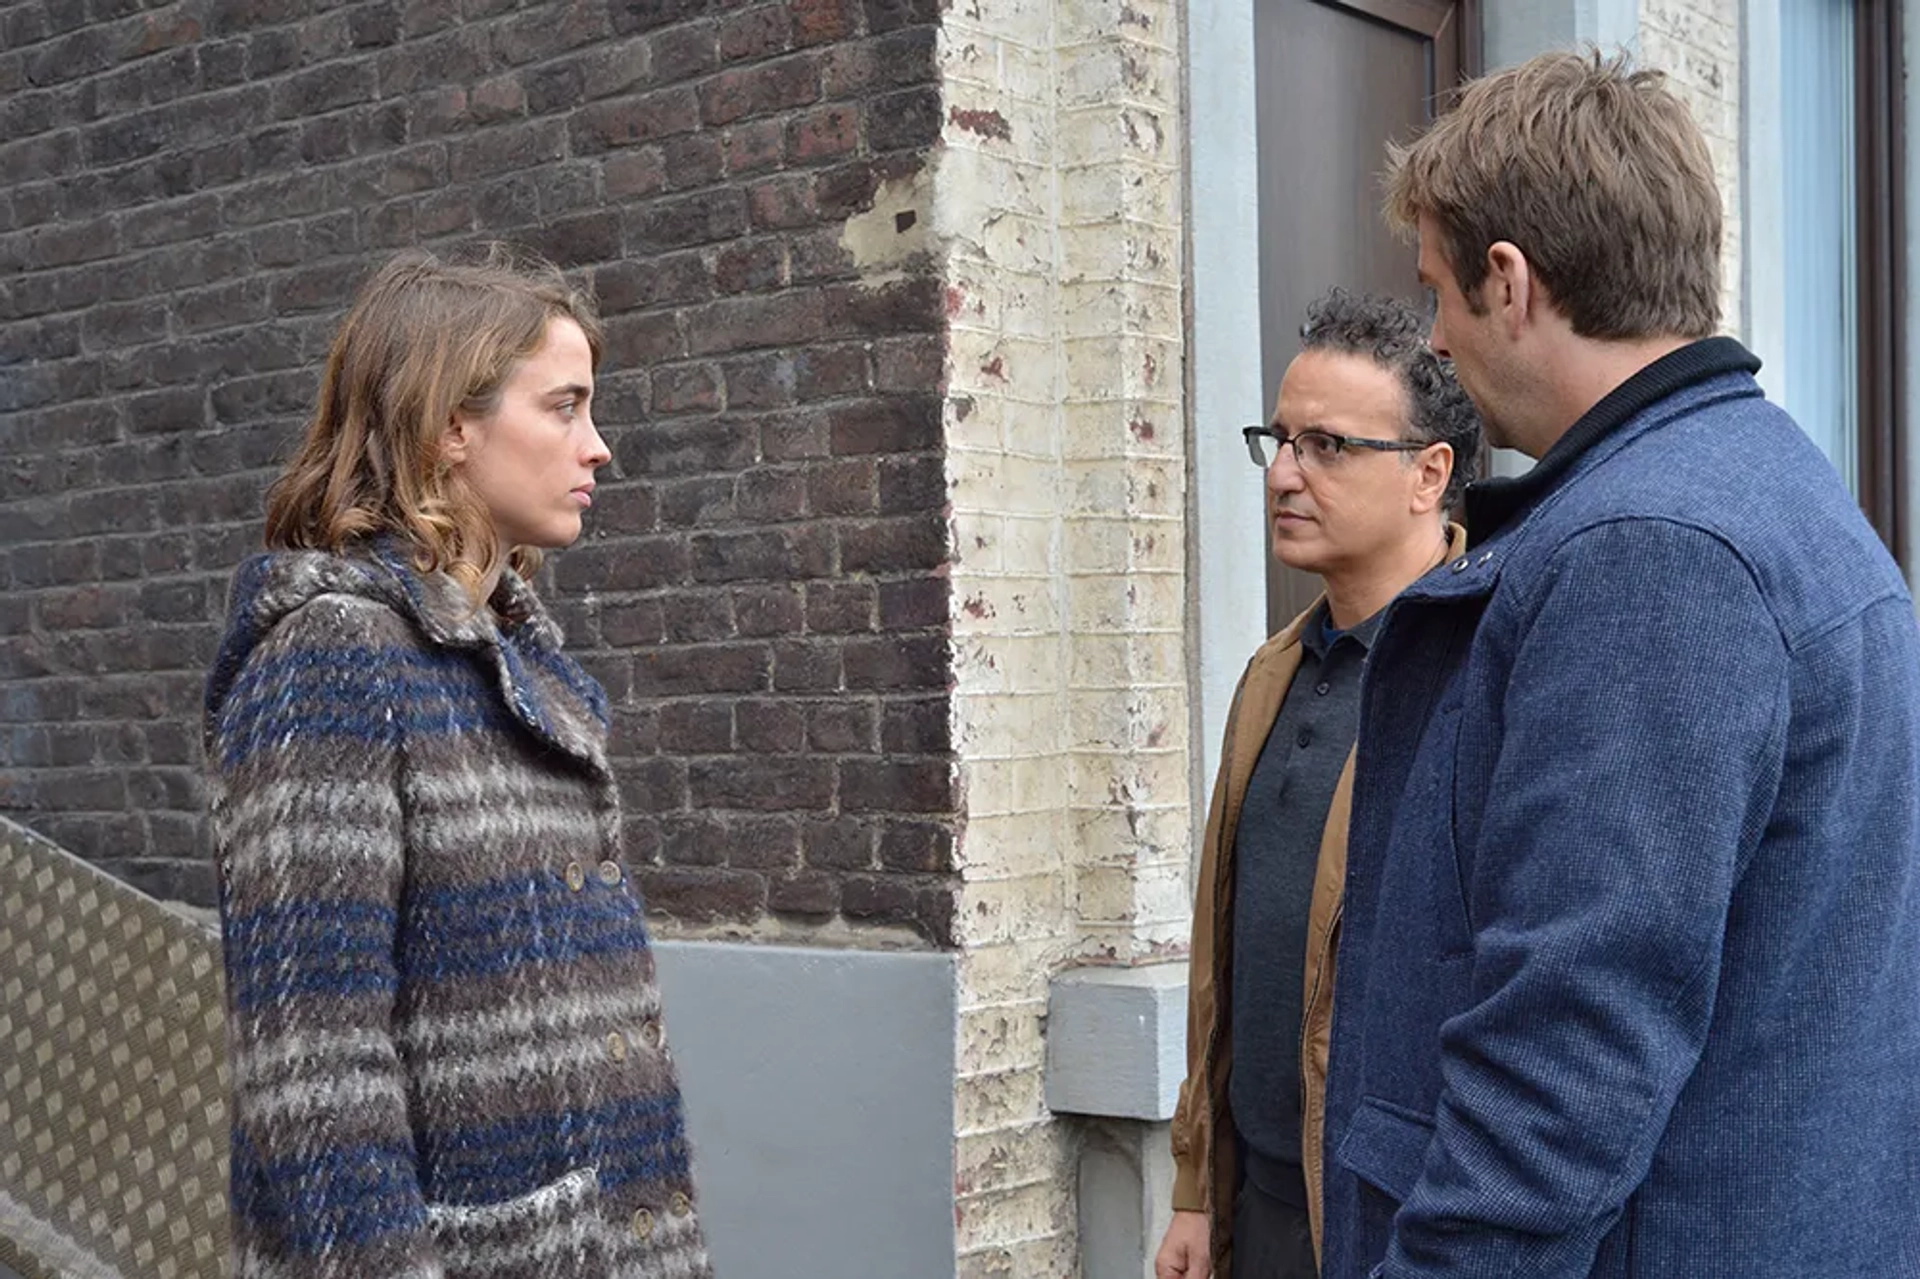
(446, 1043)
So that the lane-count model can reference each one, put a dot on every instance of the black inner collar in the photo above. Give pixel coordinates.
(1492, 503)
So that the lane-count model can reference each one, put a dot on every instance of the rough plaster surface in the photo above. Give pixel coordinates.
(1058, 198)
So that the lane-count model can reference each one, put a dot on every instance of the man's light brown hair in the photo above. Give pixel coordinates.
(425, 339)
(1596, 172)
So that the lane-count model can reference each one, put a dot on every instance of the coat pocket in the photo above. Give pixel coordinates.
(1385, 1147)
(553, 1230)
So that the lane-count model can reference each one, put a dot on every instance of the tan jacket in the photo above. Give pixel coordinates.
(1205, 1171)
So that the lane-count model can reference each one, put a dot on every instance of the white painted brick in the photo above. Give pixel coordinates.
(1031, 1212)
(1002, 1037)
(1155, 22)
(1007, 844)
(1018, 972)
(1007, 1158)
(1124, 604)
(1012, 605)
(997, 484)
(983, 1103)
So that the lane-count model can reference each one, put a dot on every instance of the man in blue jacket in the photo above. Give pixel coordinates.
(1630, 977)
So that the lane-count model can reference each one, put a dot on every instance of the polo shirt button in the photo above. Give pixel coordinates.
(576, 876)
(1306, 737)
(1323, 688)
(642, 1224)
(1485, 557)
(1460, 565)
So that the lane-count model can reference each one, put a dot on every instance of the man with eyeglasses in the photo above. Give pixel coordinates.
(1369, 447)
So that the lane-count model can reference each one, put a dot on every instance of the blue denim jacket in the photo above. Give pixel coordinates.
(1630, 977)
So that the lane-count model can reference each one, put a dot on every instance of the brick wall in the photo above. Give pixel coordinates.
(1697, 43)
(191, 192)
(1060, 203)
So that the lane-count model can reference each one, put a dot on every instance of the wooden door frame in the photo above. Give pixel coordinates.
(1880, 219)
(1430, 20)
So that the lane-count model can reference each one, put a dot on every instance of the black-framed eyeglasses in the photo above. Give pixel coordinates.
(1316, 449)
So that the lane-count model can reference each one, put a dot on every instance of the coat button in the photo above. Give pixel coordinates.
(681, 1205)
(610, 873)
(617, 1046)
(1306, 738)
(650, 1033)
(1460, 565)
(642, 1224)
(1323, 688)
(576, 876)
(1486, 557)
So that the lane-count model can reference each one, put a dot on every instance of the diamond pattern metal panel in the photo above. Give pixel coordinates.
(113, 1080)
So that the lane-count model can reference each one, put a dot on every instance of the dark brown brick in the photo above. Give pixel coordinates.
(696, 617)
(653, 786)
(751, 266)
(681, 54)
(756, 842)
(842, 727)
(762, 783)
(828, 133)
(839, 843)
(701, 896)
(768, 610)
(623, 122)
(920, 847)
(770, 727)
(706, 668)
(691, 161)
(642, 15)
(702, 218)
(843, 488)
(804, 894)
(760, 381)
(696, 728)
(896, 424)
(749, 91)
(754, 146)
(914, 603)
(695, 839)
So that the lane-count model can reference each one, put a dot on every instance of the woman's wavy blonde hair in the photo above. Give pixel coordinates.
(426, 339)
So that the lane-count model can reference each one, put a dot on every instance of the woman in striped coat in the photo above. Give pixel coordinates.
(447, 1050)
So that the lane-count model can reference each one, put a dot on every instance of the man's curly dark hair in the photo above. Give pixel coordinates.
(1393, 335)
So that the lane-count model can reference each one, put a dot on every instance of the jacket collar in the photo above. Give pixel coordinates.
(1495, 503)
(1294, 633)
(566, 709)
(445, 612)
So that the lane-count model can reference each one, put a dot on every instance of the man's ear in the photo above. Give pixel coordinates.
(1510, 290)
(1433, 468)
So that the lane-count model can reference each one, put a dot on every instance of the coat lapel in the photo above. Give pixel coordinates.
(544, 689)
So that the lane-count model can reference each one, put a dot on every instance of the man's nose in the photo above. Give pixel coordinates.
(1283, 473)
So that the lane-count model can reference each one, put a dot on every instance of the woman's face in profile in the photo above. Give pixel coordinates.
(531, 460)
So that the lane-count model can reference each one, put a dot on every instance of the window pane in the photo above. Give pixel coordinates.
(1821, 386)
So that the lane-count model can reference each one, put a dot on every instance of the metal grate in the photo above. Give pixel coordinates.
(113, 1080)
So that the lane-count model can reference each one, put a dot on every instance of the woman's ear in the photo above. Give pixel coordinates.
(456, 442)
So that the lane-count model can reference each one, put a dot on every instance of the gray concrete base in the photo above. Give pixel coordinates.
(1126, 1197)
(1116, 1053)
(819, 1091)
